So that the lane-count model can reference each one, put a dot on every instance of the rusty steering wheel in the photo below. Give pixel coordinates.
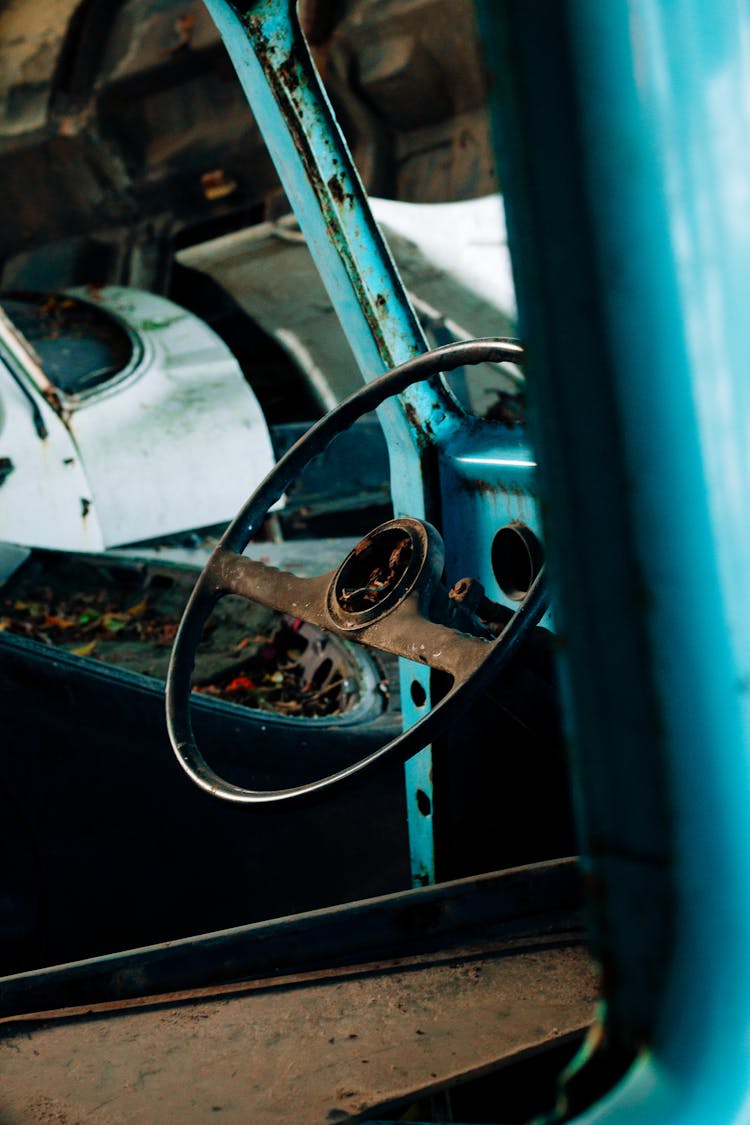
(407, 613)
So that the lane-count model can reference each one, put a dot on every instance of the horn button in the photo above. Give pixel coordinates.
(378, 574)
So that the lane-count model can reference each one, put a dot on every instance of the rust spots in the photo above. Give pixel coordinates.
(254, 25)
(263, 49)
(85, 507)
(285, 79)
(483, 487)
(336, 190)
(377, 574)
(513, 492)
(52, 397)
(381, 301)
(509, 492)
(411, 415)
(288, 72)
(467, 590)
(423, 439)
(340, 196)
(6, 468)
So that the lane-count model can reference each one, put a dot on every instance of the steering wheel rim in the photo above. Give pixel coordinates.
(213, 584)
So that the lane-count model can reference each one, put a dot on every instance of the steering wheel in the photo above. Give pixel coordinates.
(387, 593)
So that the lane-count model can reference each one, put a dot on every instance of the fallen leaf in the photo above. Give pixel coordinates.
(84, 650)
(241, 683)
(112, 623)
(52, 622)
(138, 609)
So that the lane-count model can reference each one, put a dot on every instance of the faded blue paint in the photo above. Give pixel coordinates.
(487, 479)
(626, 128)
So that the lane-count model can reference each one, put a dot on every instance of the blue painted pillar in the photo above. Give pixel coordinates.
(623, 134)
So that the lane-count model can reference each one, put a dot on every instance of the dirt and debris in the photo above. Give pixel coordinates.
(128, 615)
(274, 676)
(367, 583)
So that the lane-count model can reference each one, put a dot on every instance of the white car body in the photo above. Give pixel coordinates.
(175, 441)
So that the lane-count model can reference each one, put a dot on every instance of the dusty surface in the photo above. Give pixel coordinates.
(307, 1051)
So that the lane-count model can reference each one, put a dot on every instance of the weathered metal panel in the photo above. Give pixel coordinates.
(627, 136)
(318, 1049)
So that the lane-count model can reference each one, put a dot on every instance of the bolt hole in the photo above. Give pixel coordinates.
(424, 804)
(418, 694)
(517, 558)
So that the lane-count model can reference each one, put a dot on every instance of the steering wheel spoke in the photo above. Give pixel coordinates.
(409, 634)
(406, 631)
(304, 598)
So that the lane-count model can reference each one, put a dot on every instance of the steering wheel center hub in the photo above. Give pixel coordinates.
(378, 574)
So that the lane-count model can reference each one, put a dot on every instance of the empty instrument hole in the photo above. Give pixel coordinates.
(517, 558)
